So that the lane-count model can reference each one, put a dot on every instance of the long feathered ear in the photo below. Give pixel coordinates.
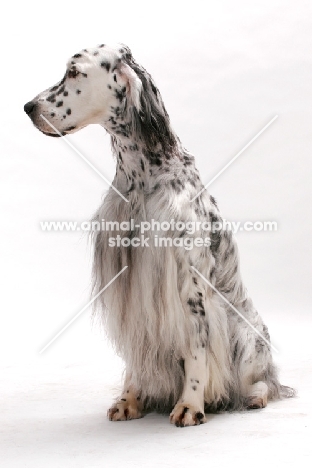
(146, 111)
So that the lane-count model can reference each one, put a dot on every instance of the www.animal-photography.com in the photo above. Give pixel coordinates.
(156, 251)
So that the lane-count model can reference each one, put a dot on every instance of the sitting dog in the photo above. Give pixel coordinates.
(180, 317)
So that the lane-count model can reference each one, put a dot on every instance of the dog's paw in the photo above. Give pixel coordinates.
(184, 415)
(256, 402)
(125, 409)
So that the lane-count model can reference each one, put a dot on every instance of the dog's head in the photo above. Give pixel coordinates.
(104, 85)
(96, 82)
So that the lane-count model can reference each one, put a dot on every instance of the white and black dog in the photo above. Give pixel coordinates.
(184, 347)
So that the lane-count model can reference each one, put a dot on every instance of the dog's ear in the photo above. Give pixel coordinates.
(146, 112)
(134, 85)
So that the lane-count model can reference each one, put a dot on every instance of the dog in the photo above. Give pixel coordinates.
(184, 346)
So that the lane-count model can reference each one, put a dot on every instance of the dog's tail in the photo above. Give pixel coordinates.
(287, 392)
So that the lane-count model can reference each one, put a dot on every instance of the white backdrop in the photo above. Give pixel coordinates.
(224, 70)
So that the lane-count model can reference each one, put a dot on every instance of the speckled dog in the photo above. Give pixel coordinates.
(184, 347)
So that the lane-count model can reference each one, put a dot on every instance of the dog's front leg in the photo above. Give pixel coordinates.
(189, 411)
(128, 406)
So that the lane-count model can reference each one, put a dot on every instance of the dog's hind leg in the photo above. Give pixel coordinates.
(189, 411)
(257, 395)
(128, 406)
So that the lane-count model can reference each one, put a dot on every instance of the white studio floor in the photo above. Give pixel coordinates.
(54, 415)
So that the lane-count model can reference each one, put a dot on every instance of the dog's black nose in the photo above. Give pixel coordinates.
(29, 107)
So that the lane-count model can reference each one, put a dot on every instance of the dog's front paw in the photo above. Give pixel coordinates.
(125, 409)
(186, 415)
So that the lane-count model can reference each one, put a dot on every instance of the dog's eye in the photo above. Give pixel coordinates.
(72, 73)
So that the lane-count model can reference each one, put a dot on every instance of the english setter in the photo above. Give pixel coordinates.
(184, 347)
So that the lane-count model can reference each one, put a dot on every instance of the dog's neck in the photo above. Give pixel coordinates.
(139, 168)
(148, 152)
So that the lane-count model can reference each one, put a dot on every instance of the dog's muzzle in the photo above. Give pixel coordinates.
(31, 108)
